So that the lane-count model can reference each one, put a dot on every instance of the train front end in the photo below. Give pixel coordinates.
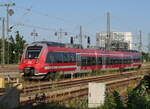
(32, 61)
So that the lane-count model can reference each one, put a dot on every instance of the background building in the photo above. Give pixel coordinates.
(118, 40)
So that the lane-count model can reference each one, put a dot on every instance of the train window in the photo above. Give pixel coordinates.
(72, 57)
(116, 60)
(89, 63)
(108, 60)
(33, 52)
(65, 58)
(129, 60)
(93, 60)
(83, 61)
(60, 57)
(69, 57)
(124, 60)
(136, 58)
(78, 59)
(139, 59)
(50, 58)
(113, 61)
(120, 61)
(99, 60)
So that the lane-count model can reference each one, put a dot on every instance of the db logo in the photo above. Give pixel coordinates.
(29, 62)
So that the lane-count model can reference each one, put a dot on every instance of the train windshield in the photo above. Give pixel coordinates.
(33, 52)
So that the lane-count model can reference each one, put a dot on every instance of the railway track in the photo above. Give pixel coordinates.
(70, 93)
(74, 82)
(57, 89)
(9, 68)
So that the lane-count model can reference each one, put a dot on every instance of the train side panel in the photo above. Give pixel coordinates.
(40, 59)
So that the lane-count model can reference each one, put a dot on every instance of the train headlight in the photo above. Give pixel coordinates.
(23, 61)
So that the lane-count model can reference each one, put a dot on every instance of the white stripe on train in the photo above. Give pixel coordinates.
(59, 67)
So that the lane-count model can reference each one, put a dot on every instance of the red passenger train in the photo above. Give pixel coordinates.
(47, 58)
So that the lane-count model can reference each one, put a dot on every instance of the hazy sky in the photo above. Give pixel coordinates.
(48, 16)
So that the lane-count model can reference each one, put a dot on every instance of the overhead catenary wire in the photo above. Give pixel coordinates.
(58, 18)
(28, 10)
(39, 27)
(44, 14)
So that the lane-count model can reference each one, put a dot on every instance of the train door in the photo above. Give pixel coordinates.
(78, 61)
(132, 62)
(103, 61)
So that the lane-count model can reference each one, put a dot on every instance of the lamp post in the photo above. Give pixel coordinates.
(3, 41)
(60, 33)
(34, 34)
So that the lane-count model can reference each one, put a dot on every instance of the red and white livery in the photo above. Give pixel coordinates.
(47, 58)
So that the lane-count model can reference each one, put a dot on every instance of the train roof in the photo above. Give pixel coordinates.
(57, 44)
(50, 43)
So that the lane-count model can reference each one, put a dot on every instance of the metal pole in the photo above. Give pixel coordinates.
(3, 41)
(7, 30)
(140, 43)
(108, 32)
(81, 35)
(60, 35)
(149, 47)
(7, 16)
(7, 26)
(149, 43)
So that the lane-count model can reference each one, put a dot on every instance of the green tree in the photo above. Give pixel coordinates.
(12, 57)
(13, 48)
(139, 98)
(136, 101)
(0, 50)
(145, 56)
(117, 99)
(6, 50)
(19, 46)
(113, 101)
(109, 102)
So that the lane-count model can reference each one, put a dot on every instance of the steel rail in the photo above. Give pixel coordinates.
(81, 92)
(71, 83)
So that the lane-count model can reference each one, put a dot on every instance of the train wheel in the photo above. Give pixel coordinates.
(49, 76)
(139, 67)
(58, 75)
(121, 69)
(52, 76)
(25, 78)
